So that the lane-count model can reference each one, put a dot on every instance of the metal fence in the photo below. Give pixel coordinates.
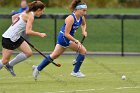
(119, 17)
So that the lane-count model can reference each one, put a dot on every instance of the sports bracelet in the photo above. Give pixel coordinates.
(76, 41)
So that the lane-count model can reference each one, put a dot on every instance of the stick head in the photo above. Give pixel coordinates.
(58, 65)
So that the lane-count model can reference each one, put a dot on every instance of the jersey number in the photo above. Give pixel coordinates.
(15, 21)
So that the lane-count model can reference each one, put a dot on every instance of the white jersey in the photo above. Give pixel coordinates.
(15, 30)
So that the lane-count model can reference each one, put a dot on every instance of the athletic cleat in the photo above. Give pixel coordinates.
(35, 72)
(10, 69)
(78, 74)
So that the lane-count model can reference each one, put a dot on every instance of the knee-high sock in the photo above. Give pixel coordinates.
(44, 63)
(20, 57)
(1, 64)
(79, 61)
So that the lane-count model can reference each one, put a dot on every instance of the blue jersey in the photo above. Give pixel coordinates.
(62, 40)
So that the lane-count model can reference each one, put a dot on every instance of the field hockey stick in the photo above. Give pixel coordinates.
(77, 52)
(58, 65)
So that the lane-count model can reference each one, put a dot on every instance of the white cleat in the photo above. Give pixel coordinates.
(35, 72)
(78, 74)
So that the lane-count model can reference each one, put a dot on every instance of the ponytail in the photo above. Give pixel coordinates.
(75, 3)
(35, 5)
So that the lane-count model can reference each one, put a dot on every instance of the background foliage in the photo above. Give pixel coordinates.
(91, 3)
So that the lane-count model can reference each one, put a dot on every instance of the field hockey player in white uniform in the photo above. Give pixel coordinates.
(11, 39)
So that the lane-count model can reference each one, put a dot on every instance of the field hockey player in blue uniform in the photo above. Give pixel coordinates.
(66, 39)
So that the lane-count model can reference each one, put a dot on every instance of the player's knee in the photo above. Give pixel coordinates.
(5, 61)
(83, 51)
(54, 56)
(29, 53)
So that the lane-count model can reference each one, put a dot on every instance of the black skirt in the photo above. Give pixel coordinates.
(8, 44)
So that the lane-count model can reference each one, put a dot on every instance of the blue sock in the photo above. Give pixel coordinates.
(44, 63)
(79, 61)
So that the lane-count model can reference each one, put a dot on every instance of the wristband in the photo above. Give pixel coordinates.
(76, 41)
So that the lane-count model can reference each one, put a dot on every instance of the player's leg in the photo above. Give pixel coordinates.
(59, 49)
(55, 54)
(26, 52)
(6, 54)
(79, 60)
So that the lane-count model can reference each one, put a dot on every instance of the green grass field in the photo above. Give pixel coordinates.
(103, 75)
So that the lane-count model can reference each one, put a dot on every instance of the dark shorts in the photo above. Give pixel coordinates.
(8, 44)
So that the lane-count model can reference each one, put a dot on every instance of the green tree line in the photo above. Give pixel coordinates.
(91, 3)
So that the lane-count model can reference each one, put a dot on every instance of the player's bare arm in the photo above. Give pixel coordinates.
(83, 26)
(29, 30)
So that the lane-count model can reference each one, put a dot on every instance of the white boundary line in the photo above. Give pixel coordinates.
(86, 90)
(127, 88)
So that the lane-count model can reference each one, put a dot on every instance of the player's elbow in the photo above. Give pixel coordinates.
(66, 34)
(28, 32)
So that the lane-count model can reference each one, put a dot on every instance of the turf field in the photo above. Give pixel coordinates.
(103, 75)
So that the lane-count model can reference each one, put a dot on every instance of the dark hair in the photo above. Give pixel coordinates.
(75, 3)
(35, 5)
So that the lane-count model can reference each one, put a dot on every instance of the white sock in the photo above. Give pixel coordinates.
(1, 64)
(20, 57)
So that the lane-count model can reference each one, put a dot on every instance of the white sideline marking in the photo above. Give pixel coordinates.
(127, 87)
(72, 91)
(93, 90)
